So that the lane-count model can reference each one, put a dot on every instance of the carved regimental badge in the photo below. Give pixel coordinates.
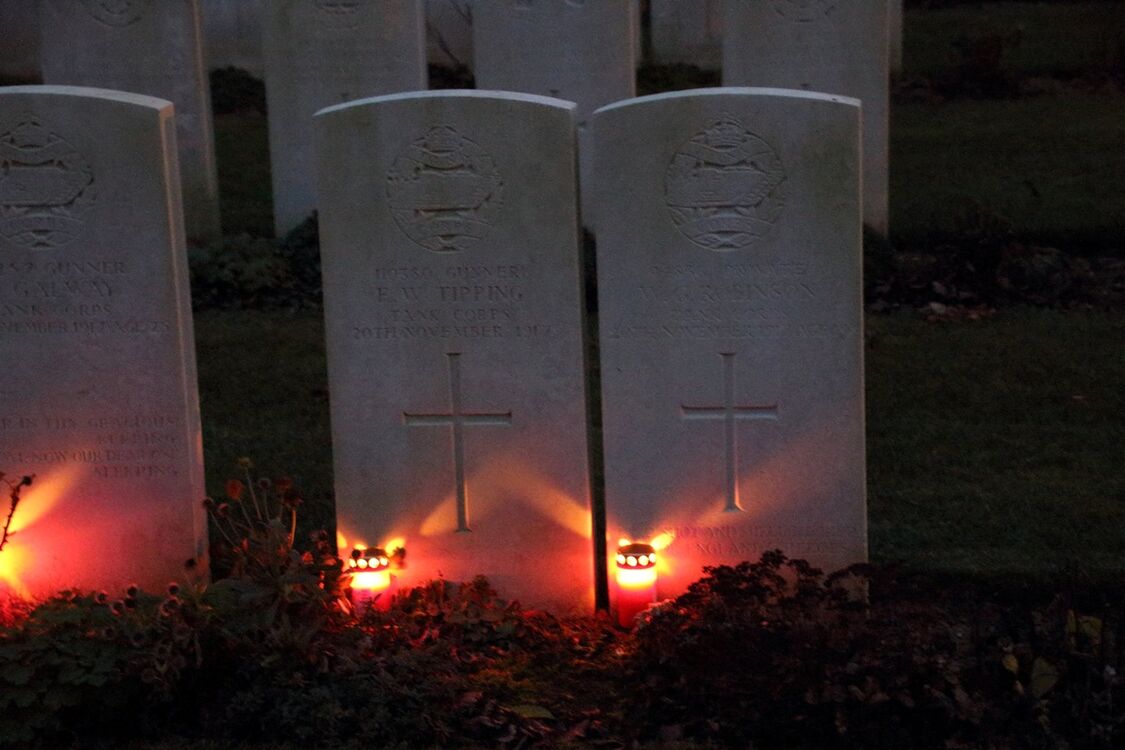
(46, 186)
(117, 12)
(805, 11)
(724, 187)
(341, 12)
(444, 191)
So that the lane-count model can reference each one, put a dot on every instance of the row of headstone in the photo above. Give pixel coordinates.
(582, 52)
(321, 52)
(690, 32)
(730, 326)
(825, 45)
(729, 287)
(683, 31)
(233, 30)
(324, 53)
(145, 48)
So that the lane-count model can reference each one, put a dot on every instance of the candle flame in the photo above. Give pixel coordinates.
(661, 541)
(398, 542)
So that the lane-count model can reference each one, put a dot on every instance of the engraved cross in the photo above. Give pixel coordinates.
(458, 419)
(730, 414)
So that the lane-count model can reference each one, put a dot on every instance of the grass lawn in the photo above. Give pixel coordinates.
(264, 395)
(1066, 38)
(994, 447)
(1049, 165)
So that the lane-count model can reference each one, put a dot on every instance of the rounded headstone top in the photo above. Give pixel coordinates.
(733, 91)
(512, 96)
(89, 92)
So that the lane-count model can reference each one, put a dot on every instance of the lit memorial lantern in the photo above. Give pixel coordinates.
(636, 580)
(370, 581)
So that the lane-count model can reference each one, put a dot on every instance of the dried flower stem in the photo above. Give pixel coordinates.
(14, 501)
(253, 495)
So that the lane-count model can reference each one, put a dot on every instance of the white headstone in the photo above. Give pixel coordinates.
(325, 52)
(449, 32)
(19, 40)
(579, 50)
(729, 280)
(638, 36)
(688, 31)
(233, 33)
(449, 237)
(145, 47)
(895, 31)
(98, 397)
(833, 46)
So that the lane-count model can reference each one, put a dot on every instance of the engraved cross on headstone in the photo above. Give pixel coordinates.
(730, 414)
(459, 420)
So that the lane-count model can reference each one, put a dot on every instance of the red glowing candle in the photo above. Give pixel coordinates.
(636, 581)
(370, 581)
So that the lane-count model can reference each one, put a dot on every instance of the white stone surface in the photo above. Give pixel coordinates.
(449, 239)
(831, 46)
(895, 31)
(98, 397)
(688, 31)
(232, 30)
(449, 32)
(578, 50)
(325, 52)
(729, 280)
(144, 47)
(19, 40)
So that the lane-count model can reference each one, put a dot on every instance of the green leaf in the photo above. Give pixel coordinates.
(1044, 676)
(1011, 663)
(1090, 627)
